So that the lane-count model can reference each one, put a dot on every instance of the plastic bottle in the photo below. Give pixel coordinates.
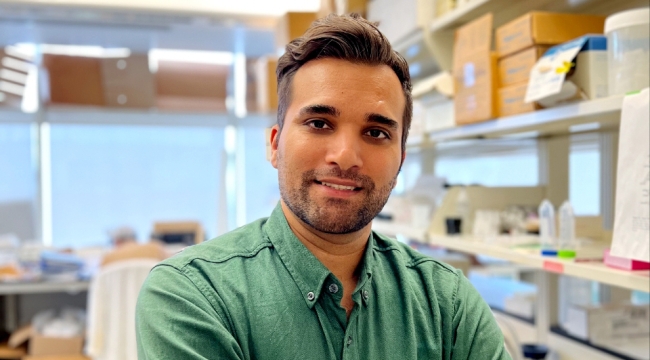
(546, 214)
(462, 208)
(567, 238)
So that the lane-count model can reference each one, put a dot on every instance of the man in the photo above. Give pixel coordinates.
(313, 281)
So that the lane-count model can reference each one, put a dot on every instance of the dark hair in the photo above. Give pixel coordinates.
(345, 37)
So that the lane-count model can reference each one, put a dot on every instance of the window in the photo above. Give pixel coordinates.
(584, 174)
(262, 189)
(18, 182)
(489, 162)
(107, 176)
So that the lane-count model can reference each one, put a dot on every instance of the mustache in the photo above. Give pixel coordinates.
(353, 175)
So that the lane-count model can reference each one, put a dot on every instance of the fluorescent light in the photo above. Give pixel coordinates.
(584, 127)
(84, 50)
(14, 76)
(12, 88)
(22, 51)
(15, 64)
(188, 56)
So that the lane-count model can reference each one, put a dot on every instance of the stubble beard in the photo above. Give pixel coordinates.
(336, 216)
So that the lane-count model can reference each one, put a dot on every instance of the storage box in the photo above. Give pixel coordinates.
(40, 345)
(291, 26)
(74, 79)
(187, 86)
(511, 100)
(128, 82)
(474, 70)
(608, 323)
(544, 28)
(516, 67)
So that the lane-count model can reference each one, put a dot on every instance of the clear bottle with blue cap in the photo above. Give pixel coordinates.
(546, 214)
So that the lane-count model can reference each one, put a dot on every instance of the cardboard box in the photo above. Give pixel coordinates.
(475, 72)
(443, 7)
(608, 323)
(128, 82)
(291, 26)
(74, 79)
(46, 345)
(544, 28)
(185, 86)
(516, 67)
(511, 100)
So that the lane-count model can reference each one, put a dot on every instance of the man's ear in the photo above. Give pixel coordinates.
(274, 138)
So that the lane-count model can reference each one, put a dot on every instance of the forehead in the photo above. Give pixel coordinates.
(348, 85)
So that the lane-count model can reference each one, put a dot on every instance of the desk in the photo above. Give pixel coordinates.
(11, 290)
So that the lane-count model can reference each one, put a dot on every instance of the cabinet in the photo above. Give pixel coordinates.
(552, 128)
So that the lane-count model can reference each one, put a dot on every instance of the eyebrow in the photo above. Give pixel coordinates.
(381, 119)
(319, 109)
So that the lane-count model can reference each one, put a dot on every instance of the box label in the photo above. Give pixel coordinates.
(553, 266)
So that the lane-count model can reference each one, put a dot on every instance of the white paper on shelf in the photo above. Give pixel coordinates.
(632, 213)
(548, 74)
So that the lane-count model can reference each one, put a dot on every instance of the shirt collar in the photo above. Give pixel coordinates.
(305, 269)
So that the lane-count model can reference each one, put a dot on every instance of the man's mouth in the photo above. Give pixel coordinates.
(337, 186)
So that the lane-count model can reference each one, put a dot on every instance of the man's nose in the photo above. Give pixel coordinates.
(344, 150)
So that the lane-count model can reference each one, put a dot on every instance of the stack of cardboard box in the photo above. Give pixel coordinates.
(474, 72)
(522, 41)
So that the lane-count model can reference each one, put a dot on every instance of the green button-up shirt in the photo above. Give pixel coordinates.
(259, 293)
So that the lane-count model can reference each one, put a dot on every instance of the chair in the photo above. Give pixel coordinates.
(112, 298)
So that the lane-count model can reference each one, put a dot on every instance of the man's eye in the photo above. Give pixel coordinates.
(377, 134)
(318, 124)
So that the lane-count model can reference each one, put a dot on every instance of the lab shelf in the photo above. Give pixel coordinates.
(598, 114)
(506, 10)
(596, 271)
(392, 229)
(39, 287)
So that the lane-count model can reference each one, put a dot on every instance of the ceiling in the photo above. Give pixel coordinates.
(244, 25)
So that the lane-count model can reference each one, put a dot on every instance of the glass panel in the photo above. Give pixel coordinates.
(108, 176)
(18, 182)
(262, 191)
(584, 179)
(502, 169)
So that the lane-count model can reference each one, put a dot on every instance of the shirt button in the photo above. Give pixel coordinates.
(365, 294)
(349, 341)
(333, 288)
(310, 296)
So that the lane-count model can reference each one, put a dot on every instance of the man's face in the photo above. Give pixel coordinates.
(339, 151)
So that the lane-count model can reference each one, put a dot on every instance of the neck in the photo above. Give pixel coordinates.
(340, 253)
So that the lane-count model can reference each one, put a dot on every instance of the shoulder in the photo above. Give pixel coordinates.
(411, 258)
(244, 242)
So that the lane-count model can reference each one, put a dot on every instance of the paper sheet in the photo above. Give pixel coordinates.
(632, 213)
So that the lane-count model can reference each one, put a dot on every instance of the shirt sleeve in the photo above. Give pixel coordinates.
(175, 320)
(477, 334)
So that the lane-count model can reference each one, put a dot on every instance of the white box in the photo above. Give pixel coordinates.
(608, 323)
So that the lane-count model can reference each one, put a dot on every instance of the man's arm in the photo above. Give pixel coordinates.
(175, 320)
(477, 333)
